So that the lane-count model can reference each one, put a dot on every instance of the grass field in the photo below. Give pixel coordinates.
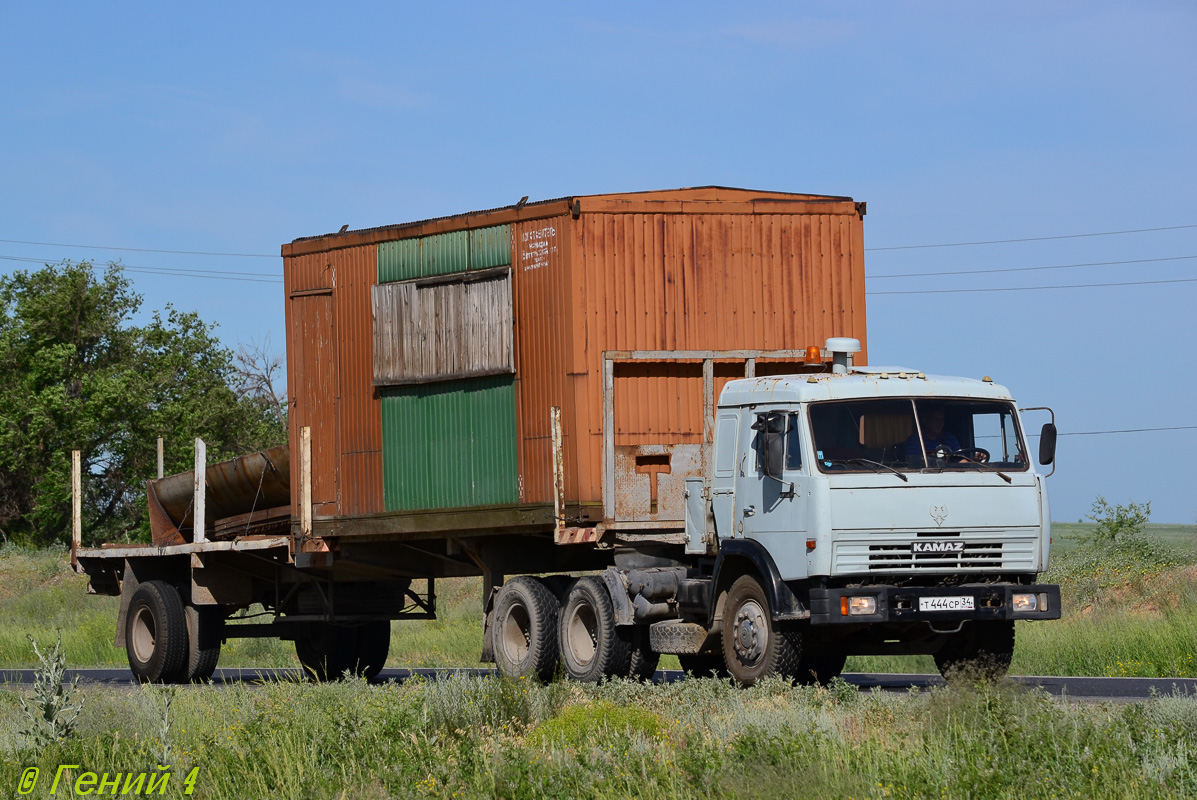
(700, 738)
(1128, 612)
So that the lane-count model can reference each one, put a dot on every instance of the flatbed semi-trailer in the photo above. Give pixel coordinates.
(591, 394)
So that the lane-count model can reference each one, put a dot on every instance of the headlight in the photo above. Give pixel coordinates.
(1026, 602)
(858, 606)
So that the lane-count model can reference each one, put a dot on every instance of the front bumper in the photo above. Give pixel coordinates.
(901, 603)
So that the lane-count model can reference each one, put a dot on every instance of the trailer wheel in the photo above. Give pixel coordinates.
(156, 633)
(373, 645)
(525, 629)
(591, 649)
(643, 663)
(204, 627)
(754, 646)
(326, 651)
(982, 651)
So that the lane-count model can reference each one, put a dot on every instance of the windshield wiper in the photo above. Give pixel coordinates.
(983, 465)
(875, 464)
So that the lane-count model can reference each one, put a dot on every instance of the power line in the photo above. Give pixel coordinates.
(223, 275)
(1029, 269)
(1130, 430)
(1030, 239)
(1036, 288)
(143, 249)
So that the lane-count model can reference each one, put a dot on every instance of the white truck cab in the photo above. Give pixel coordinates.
(881, 510)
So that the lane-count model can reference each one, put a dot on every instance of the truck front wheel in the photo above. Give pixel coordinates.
(981, 651)
(524, 634)
(754, 646)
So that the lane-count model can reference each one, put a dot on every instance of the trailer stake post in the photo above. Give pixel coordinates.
(305, 481)
(199, 533)
(76, 507)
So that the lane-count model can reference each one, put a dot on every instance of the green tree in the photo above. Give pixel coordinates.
(1118, 523)
(81, 375)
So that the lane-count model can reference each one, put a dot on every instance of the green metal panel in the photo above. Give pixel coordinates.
(490, 247)
(444, 253)
(450, 444)
(399, 261)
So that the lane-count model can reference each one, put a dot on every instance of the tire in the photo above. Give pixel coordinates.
(326, 651)
(524, 634)
(755, 647)
(156, 633)
(642, 665)
(982, 651)
(591, 648)
(373, 646)
(205, 624)
(703, 665)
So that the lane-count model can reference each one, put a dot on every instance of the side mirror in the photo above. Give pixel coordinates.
(1047, 444)
(771, 429)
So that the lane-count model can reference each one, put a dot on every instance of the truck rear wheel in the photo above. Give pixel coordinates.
(981, 651)
(524, 634)
(643, 662)
(204, 627)
(754, 646)
(591, 648)
(156, 633)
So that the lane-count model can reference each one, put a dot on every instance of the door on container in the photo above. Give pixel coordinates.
(769, 510)
(315, 387)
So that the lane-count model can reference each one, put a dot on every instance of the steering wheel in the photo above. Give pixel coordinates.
(977, 454)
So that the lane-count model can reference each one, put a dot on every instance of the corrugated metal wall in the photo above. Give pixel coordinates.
(447, 442)
(329, 378)
(704, 282)
(544, 333)
(450, 444)
(444, 253)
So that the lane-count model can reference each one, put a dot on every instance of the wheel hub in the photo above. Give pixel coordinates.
(751, 634)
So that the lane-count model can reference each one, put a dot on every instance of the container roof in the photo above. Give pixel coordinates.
(860, 383)
(693, 199)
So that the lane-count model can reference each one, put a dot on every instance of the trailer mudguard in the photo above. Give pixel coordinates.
(748, 555)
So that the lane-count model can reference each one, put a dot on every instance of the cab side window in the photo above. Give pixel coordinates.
(793, 443)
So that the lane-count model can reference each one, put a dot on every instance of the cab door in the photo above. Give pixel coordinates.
(772, 511)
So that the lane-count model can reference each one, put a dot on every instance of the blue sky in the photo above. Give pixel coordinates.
(235, 128)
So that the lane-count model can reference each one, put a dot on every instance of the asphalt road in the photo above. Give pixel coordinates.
(1075, 688)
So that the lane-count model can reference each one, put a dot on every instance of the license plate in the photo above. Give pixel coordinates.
(946, 604)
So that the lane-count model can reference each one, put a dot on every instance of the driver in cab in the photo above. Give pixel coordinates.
(934, 436)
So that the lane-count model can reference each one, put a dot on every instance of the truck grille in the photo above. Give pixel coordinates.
(887, 557)
(863, 552)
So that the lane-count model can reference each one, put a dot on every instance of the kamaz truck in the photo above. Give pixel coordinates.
(645, 420)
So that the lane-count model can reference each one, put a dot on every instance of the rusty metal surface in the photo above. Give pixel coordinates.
(255, 480)
(544, 333)
(701, 281)
(330, 377)
(730, 199)
(444, 330)
(708, 268)
(650, 480)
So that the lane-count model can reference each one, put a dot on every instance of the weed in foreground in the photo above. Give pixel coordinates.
(51, 714)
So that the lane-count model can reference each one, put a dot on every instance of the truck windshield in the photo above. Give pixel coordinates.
(914, 434)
